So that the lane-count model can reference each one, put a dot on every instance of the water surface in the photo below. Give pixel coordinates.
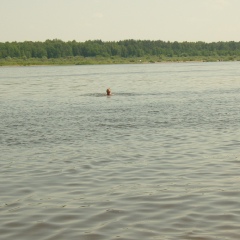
(157, 160)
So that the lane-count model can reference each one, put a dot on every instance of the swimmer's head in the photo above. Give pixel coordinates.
(108, 91)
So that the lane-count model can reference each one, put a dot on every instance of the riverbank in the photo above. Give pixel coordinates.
(110, 60)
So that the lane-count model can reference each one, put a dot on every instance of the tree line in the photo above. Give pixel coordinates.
(127, 48)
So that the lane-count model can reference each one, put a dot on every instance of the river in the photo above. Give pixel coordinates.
(159, 159)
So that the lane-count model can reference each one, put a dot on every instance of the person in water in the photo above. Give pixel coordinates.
(109, 92)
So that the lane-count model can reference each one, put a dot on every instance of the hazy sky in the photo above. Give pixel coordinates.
(114, 20)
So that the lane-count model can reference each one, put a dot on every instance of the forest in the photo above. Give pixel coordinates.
(96, 51)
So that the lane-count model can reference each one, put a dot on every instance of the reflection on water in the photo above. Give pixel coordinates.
(157, 160)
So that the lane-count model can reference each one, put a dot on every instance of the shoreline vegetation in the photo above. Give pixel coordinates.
(106, 60)
(57, 52)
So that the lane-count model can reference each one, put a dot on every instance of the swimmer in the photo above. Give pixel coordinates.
(109, 92)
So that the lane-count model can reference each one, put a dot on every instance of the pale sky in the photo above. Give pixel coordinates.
(114, 20)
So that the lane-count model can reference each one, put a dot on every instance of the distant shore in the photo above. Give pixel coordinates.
(110, 60)
(92, 52)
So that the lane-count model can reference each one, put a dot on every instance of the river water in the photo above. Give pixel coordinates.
(159, 159)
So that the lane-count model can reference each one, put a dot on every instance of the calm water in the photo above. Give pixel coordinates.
(157, 160)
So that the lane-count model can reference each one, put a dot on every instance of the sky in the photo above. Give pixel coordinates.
(115, 20)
